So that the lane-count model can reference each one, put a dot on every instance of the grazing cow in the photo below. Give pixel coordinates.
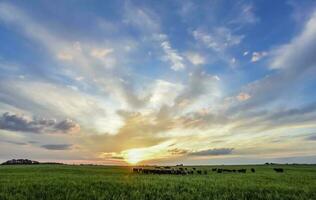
(242, 170)
(253, 170)
(278, 170)
(194, 168)
(214, 169)
(199, 171)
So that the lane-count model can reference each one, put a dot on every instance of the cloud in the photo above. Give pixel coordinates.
(15, 122)
(177, 151)
(292, 60)
(218, 39)
(141, 17)
(195, 58)
(172, 56)
(300, 52)
(243, 96)
(57, 146)
(163, 93)
(256, 56)
(64, 56)
(246, 15)
(199, 85)
(97, 113)
(212, 152)
(100, 53)
(13, 142)
(311, 137)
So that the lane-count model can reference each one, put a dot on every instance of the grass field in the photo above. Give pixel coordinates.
(100, 182)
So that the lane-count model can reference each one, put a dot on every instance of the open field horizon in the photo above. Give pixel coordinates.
(56, 182)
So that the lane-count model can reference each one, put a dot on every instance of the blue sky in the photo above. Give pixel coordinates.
(196, 82)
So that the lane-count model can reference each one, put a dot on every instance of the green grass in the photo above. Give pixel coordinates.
(99, 182)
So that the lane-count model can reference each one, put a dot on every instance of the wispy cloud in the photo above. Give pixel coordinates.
(256, 56)
(57, 146)
(218, 39)
(172, 56)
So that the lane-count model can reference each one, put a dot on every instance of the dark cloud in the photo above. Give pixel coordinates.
(57, 146)
(212, 152)
(117, 157)
(311, 137)
(15, 122)
(13, 142)
(32, 142)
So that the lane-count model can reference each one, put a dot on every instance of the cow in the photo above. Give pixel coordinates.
(253, 170)
(242, 170)
(278, 170)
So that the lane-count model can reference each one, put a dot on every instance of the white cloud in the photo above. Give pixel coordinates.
(142, 18)
(100, 53)
(195, 58)
(233, 61)
(50, 100)
(245, 53)
(217, 78)
(64, 56)
(243, 96)
(256, 56)
(164, 93)
(172, 56)
(300, 52)
(246, 15)
(218, 39)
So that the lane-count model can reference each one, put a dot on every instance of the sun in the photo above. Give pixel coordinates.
(134, 156)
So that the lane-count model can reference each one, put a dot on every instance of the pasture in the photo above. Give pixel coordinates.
(101, 182)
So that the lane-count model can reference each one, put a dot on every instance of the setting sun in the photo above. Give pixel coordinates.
(134, 156)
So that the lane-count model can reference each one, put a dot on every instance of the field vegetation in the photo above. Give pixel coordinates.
(100, 182)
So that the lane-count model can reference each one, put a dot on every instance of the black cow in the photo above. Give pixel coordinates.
(253, 170)
(242, 170)
(278, 170)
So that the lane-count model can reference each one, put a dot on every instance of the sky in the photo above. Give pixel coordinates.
(158, 82)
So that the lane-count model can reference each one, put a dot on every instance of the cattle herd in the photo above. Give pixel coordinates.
(193, 170)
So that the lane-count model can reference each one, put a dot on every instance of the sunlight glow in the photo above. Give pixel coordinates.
(134, 156)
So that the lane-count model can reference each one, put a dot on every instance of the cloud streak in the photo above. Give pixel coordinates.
(58, 147)
(212, 152)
